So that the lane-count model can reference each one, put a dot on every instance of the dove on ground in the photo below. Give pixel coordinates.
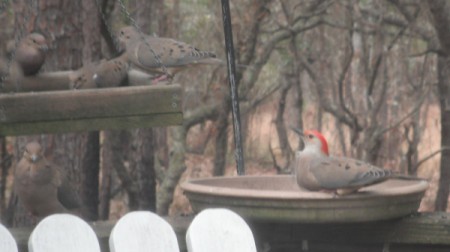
(111, 73)
(172, 54)
(41, 187)
(30, 53)
(316, 170)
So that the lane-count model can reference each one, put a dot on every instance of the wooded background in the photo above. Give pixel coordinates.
(373, 75)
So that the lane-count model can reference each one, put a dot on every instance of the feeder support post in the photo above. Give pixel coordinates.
(239, 154)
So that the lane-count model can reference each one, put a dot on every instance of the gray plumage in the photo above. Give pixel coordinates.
(174, 55)
(316, 170)
(111, 73)
(30, 53)
(82, 78)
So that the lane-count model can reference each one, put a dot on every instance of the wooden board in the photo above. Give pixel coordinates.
(421, 232)
(219, 230)
(63, 232)
(42, 82)
(142, 231)
(93, 109)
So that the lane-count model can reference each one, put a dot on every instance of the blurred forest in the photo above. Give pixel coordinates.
(373, 75)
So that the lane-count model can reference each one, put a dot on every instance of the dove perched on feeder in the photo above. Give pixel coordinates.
(316, 170)
(169, 56)
(41, 187)
(30, 53)
(111, 73)
(83, 77)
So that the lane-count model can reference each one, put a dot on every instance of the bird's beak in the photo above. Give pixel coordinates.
(44, 48)
(298, 131)
(34, 158)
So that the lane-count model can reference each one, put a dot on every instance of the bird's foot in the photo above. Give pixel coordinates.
(333, 193)
(164, 77)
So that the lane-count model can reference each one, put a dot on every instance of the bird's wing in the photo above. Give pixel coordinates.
(67, 194)
(82, 78)
(111, 73)
(337, 172)
(172, 53)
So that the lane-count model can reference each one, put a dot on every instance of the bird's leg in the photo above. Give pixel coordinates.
(335, 195)
(164, 77)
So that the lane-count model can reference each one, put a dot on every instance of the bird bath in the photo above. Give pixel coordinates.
(277, 198)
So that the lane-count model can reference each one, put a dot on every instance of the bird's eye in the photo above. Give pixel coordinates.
(310, 136)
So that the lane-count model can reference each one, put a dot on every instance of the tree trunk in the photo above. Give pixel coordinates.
(221, 145)
(440, 10)
(90, 169)
(176, 169)
(5, 165)
(444, 91)
(142, 160)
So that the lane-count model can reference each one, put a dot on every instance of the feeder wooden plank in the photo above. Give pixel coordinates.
(41, 82)
(131, 122)
(90, 109)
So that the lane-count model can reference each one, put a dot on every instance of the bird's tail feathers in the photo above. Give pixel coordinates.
(396, 175)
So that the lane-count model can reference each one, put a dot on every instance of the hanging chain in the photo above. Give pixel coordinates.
(108, 27)
(3, 5)
(142, 36)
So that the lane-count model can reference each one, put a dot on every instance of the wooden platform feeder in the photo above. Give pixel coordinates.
(29, 112)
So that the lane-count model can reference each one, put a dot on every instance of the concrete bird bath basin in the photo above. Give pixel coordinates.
(277, 198)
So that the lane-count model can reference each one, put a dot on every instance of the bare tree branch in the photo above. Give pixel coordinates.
(431, 155)
(415, 109)
(343, 73)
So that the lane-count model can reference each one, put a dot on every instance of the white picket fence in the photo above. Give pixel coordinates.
(216, 230)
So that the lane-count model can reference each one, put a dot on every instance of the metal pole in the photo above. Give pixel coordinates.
(239, 154)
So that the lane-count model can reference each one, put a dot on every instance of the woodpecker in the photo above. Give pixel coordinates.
(315, 170)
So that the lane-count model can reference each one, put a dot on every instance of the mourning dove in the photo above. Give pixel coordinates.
(30, 53)
(111, 73)
(316, 170)
(42, 188)
(83, 78)
(173, 55)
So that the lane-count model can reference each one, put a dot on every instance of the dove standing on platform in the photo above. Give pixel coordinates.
(316, 170)
(41, 187)
(112, 73)
(30, 53)
(168, 57)
(83, 78)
